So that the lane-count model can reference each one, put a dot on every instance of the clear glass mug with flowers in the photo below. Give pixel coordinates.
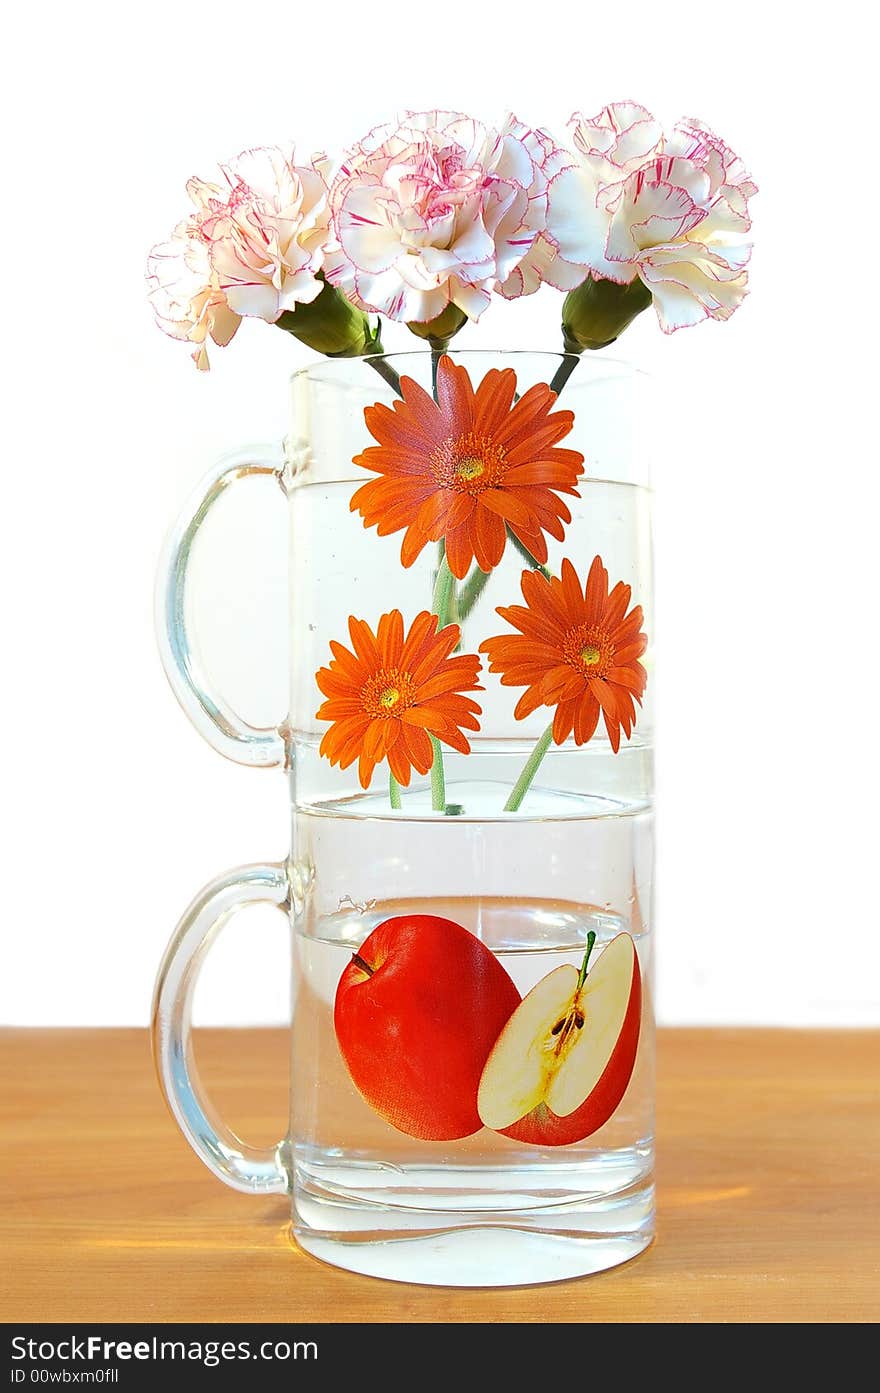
(469, 735)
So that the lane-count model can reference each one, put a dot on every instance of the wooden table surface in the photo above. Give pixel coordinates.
(768, 1192)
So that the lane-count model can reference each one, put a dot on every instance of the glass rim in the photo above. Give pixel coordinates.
(337, 368)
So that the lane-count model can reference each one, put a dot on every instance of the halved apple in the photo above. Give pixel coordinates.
(562, 1063)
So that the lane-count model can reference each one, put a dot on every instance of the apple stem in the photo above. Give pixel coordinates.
(582, 975)
(523, 783)
(364, 966)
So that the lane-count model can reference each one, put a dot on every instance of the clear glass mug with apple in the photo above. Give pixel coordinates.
(472, 1037)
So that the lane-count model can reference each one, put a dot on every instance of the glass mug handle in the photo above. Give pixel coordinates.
(223, 728)
(250, 1169)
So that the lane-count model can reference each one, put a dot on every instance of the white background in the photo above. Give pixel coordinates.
(767, 482)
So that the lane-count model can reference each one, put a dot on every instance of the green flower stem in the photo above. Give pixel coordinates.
(438, 779)
(438, 348)
(527, 555)
(444, 586)
(385, 370)
(394, 791)
(564, 372)
(442, 602)
(471, 591)
(437, 351)
(523, 783)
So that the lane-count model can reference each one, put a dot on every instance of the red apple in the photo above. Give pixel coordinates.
(563, 1061)
(417, 1011)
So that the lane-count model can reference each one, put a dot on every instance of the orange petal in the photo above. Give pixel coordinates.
(634, 679)
(530, 700)
(455, 394)
(613, 732)
(423, 628)
(534, 544)
(525, 417)
(338, 708)
(596, 592)
(347, 662)
(434, 512)
(533, 472)
(586, 718)
(371, 752)
(563, 722)
(540, 437)
(418, 748)
(507, 505)
(453, 736)
(459, 551)
(424, 718)
(421, 408)
(390, 637)
(493, 399)
(461, 509)
(616, 606)
(572, 593)
(398, 761)
(364, 642)
(490, 536)
(414, 542)
(441, 682)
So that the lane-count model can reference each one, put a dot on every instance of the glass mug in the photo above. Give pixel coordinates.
(483, 1115)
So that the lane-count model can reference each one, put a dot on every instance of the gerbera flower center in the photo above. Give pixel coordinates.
(469, 463)
(388, 693)
(470, 467)
(588, 650)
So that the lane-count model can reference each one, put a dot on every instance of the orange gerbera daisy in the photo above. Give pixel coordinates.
(578, 650)
(468, 466)
(386, 696)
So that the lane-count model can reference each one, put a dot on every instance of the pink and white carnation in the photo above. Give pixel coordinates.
(528, 275)
(185, 294)
(672, 210)
(439, 209)
(267, 228)
(253, 247)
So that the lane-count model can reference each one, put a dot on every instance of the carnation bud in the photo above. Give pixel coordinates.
(442, 328)
(597, 312)
(331, 325)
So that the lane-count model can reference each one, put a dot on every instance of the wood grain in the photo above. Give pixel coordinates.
(767, 1192)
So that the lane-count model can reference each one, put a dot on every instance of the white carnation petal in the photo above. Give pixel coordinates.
(364, 234)
(389, 295)
(514, 163)
(676, 307)
(371, 249)
(713, 288)
(639, 141)
(300, 288)
(224, 323)
(472, 299)
(437, 260)
(518, 283)
(257, 300)
(474, 247)
(416, 274)
(464, 204)
(578, 227)
(564, 275)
